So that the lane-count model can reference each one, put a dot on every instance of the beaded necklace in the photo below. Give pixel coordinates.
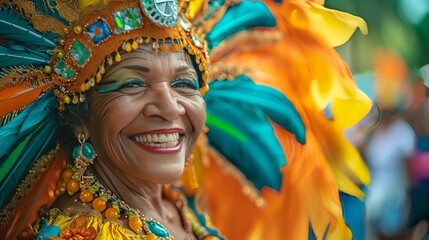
(93, 191)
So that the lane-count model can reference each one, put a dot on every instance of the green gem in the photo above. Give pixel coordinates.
(157, 229)
(127, 19)
(61, 69)
(87, 151)
(80, 53)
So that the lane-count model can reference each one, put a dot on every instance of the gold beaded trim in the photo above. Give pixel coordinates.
(25, 186)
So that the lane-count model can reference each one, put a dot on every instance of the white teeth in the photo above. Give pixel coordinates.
(154, 138)
(170, 137)
(159, 140)
(162, 138)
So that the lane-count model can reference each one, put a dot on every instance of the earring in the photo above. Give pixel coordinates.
(189, 178)
(72, 178)
(83, 155)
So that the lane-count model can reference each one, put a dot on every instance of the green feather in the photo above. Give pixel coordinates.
(225, 127)
(14, 156)
(9, 57)
(16, 29)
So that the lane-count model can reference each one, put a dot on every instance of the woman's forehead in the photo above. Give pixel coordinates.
(146, 56)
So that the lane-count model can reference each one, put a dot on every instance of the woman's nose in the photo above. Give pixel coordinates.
(162, 102)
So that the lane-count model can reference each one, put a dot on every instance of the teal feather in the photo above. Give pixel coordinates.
(240, 17)
(28, 120)
(16, 29)
(273, 102)
(238, 114)
(41, 142)
(9, 57)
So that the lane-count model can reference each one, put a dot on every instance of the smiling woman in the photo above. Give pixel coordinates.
(143, 119)
(129, 88)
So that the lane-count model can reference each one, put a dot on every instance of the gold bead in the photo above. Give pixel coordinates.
(118, 57)
(66, 30)
(66, 99)
(102, 70)
(75, 100)
(77, 29)
(204, 89)
(135, 224)
(152, 237)
(98, 77)
(205, 76)
(87, 86)
(134, 45)
(60, 54)
(47, 69)
(82, 87)
(62, 42)
(139, 40)
(128, 47)
(147, 40)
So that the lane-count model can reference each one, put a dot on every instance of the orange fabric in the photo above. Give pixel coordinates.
(42, 191)
(17, 97)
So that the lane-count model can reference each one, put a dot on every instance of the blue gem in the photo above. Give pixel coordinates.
(98, 31)
(157, 229)
(85, 150)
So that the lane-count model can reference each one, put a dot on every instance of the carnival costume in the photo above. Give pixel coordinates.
(279, 92)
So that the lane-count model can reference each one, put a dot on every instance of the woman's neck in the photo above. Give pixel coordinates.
(142, 195)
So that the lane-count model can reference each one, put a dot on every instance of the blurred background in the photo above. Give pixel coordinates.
(391, 64)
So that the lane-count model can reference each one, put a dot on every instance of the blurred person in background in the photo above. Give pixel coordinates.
(388, 150)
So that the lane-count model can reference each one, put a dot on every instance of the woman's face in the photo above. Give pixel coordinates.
(146, 114)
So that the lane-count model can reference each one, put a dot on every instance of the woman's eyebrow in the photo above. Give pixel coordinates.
(185, 69)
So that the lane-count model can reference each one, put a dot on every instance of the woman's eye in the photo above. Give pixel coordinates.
(185, 83)
(134, 84)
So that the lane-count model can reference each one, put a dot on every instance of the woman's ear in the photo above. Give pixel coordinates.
(81, 130)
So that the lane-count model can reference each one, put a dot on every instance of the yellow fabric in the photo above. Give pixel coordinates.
(105, 229)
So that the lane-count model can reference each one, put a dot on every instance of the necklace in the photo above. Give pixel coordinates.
(92, 191)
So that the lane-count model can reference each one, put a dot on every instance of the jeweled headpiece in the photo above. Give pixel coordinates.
(96, 38)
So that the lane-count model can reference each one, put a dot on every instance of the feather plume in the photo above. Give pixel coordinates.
(228, 103)
(39, 142)
(13, 27)
(26, 122)
(10, 57)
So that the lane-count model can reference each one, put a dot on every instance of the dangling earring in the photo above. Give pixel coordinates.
(83, 155)
(73, 178)
(190, 179)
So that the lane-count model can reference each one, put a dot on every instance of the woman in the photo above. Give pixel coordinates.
(144, 118)
(135, 121)
(258, 114)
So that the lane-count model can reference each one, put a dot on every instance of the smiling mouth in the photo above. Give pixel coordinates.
(160, 141)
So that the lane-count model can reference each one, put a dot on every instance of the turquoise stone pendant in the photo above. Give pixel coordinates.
(153, 227)
(84, 151)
